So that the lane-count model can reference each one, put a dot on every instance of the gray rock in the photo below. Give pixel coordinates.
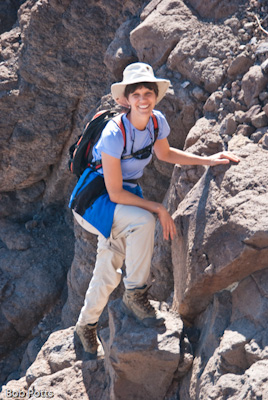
(215, 9)
(260, 120)
(240, 65)
(262, 48)
(253, 83)
(258, 134)
(147, 38)
(228, 125)
(120, 52)
(200, 59)
(141, 361)
(213, 102)
(234, 238)
(264, 66)
(245, 130)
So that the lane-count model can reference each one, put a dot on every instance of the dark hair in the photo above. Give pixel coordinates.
(149, 85)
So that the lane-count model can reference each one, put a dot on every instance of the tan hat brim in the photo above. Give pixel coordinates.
(118, 89)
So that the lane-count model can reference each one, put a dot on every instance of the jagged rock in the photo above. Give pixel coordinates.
(79, 274)
(168, 21)
(258, 134)
(240, 65)
(213, 102)
(251, 113)
(34, 263)
(260, 120)
(8, 14)
(264, 141)
(203, 138)
(55, 80)
(228, 125)
(62, 371)
(245, 130)
(265, 109)
(264, 66)
(232, 352)
(253, 83)
(215, 8)
(212, 253)
(120, 52)
(200, 58)
(141, 361)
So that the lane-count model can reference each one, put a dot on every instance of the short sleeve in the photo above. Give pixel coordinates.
(111, 141)
(164, 129)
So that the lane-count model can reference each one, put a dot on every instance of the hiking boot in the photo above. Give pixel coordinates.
(89, 339)
(136, 303)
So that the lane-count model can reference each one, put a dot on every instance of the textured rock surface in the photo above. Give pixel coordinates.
(221, 237)
(61, 371)
(34, 264)
(153, 354)
(56, 63)
(232, 355)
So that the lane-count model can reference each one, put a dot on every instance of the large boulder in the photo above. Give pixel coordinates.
(162, 28)
(221, 237)
(34, 264)
(61, 370)
(231, 356)
(201, 57)
(216, 9)
(141, 361)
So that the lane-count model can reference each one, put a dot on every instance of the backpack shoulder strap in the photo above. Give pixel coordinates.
(156, 127)
(118, 119)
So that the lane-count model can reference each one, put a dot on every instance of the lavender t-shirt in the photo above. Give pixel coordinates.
(111, 142)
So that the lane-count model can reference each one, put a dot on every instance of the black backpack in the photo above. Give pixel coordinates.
(81, 151)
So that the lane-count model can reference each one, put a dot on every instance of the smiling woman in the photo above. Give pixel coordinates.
(122, 218)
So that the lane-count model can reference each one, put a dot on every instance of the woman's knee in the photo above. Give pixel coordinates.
(149, 219)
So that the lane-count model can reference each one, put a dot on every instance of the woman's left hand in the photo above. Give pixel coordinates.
(223, 157)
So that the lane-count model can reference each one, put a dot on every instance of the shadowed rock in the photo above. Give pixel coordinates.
(141, 361)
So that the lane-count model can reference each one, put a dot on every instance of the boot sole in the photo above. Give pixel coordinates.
(147, 322)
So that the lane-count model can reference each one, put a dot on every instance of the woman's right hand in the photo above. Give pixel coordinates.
(167, 223)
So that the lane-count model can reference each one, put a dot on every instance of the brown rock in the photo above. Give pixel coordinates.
(245, 130)
(251, 113)
(265, 109)
(260, 120)
(240, 65)
(215, 9)
(258, 135)
(59, 369)
(228, 125)
(213, 102)
(157, 35)
(238, 243)
(200, 57)
(136, 359)
(253, 83)
(120, 52)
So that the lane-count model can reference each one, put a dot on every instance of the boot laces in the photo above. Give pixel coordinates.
(142, 299)
(90, 335)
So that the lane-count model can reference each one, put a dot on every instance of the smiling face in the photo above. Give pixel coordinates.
(142, 101)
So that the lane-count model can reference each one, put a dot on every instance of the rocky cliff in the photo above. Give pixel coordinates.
(58, 59)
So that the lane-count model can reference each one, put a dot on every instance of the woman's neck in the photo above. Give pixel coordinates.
(138, 123)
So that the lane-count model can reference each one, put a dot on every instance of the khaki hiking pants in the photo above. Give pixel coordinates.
(132, 240)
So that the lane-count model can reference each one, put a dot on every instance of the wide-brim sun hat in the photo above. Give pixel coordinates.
(136, 73)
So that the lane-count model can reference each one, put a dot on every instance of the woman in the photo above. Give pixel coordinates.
(129, 235)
